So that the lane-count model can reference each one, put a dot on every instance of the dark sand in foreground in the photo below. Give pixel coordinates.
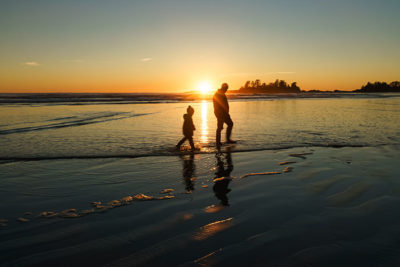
(333, 207)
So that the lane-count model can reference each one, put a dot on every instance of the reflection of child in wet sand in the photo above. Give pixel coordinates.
(188, 171)
(188, 128)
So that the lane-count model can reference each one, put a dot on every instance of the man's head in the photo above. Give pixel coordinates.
(224, 87)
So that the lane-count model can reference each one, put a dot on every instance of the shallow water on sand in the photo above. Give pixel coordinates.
(42, 131)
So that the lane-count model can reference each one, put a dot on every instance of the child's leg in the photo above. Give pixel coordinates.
(181, 142)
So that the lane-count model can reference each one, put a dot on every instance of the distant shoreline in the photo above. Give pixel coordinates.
(154, 98)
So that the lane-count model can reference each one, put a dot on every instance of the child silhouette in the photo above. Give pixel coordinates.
(187, 128)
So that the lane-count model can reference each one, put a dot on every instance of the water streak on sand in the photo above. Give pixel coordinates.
(286, 162)
(98, 207)
(221, 179)
(205, 260)
(259, 173)
(287, 169)
(168, 190)
(300, 155)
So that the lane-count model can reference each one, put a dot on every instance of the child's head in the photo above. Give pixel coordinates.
(190, 110)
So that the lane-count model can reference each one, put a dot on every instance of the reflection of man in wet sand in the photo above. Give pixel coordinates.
(221, 111)
(221, 185)
(188, 171)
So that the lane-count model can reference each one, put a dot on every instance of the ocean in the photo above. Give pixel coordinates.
(101, 126)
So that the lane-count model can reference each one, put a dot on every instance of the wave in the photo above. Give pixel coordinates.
(74, 121)
(173, 152)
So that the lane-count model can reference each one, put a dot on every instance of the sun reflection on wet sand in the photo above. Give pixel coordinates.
(204, 124)
(211, 229)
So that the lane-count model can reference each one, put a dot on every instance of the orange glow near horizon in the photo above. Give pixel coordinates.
(43, 79)
(46, 82)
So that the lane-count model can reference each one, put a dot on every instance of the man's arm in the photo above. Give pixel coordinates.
(221, 105)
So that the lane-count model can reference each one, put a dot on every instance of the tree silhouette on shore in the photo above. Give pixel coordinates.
(279, 86)
(380, 87)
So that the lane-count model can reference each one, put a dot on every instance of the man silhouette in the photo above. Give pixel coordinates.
(221, 111)
(221, 185)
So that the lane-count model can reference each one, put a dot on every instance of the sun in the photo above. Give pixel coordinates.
(204, 87)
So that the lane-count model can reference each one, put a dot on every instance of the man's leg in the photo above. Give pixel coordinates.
(220, 126)
(229, 122)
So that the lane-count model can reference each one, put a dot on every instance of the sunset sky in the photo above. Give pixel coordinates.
(175, 45)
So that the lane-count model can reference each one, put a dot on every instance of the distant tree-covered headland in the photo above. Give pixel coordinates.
(380, 87)
(279, 86)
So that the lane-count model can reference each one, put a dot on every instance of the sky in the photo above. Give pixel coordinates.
(175, 45)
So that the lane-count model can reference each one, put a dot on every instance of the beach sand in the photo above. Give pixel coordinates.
(331, 207)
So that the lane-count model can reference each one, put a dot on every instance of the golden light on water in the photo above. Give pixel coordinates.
(204, 122)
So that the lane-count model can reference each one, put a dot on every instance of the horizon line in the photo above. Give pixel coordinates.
(155, 92)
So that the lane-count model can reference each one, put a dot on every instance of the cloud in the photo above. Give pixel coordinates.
(146, 59)
(31, 64)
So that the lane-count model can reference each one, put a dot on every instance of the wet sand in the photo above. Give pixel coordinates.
(290, 207)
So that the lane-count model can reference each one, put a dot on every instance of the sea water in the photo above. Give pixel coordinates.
(84, 129)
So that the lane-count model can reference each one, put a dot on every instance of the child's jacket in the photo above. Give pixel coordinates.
(188, 126)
